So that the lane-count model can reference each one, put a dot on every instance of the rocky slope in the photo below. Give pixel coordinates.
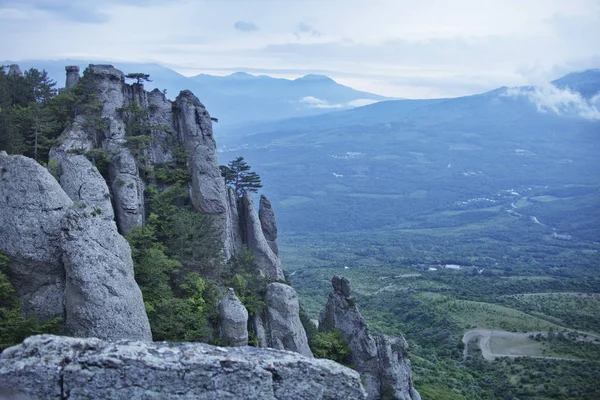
(52, 367)
(381, 361)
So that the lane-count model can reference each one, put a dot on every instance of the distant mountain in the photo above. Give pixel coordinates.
(396, 161)
(316, 91)
(239, 98)
(587, 83)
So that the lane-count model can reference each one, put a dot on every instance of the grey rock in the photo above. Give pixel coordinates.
(72, 76)
(125, 183)
(233, 320)
(51, 367)
(341, 286)
(127, 188)
(396, 378)
(32, 205)
(235, 229)
(382, 362)
(75, 139)
(67, 258)
(267, 261)
(209, 196)
(165, 141)
(106, 71)
(82, 182)
(102, 298)
(268, 223)
(14, 69)
(285, 331)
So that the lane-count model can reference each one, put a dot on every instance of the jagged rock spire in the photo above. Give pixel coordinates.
(385, 368)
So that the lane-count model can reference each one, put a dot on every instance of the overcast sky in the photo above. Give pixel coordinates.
(398, 48)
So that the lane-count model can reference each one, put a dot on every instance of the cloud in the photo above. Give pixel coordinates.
(314, 102)
(84, 11)
(245, 26)
(306, 28)
(549, 98)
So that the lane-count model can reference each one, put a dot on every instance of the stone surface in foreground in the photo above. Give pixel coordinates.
(53, 367)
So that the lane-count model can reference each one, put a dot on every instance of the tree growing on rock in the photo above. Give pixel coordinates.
(140, 77)
(238, 175)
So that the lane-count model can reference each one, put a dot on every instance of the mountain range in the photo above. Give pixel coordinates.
(238, 98)
(393, 163)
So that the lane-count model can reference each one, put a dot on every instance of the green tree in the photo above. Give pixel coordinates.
(139, 77)
(238, 175)
(331, 345)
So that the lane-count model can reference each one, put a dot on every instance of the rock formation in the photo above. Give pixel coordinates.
(51, 367)
(209, 195)
(101, 296)
(381, 362)
(267, 261)
(14, 69)
(267, 223)
(72, 76)
(32, 205)
(125, 182)
(278, 323)
(82, 182)
(172, 130)
(67, 257)
(233, 320)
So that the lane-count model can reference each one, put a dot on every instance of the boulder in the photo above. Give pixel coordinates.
(32, 205)
(52, 367)
(67, 257)
(233, 320)
(285, 331)
(102, 298)
(82, 182)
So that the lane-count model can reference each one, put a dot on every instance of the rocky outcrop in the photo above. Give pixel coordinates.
(279, 323)
(233, 320)
(267, 261)
(72, 76)
(178, 133)
(32, 204)
(14, 69)
(267, 223)
(67, 257)
(82, 182)
(381, 362)
(209, 196)
(102, 298)
(125, 182)
(51, 367)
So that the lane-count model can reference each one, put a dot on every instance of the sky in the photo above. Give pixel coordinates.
(397, 48)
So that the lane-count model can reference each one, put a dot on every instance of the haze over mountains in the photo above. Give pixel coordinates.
(237, 98)
(394, 163)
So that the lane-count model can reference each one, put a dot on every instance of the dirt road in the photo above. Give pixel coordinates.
(505, 344)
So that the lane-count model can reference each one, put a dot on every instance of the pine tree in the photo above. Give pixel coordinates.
(237, 174)
(139, 77)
